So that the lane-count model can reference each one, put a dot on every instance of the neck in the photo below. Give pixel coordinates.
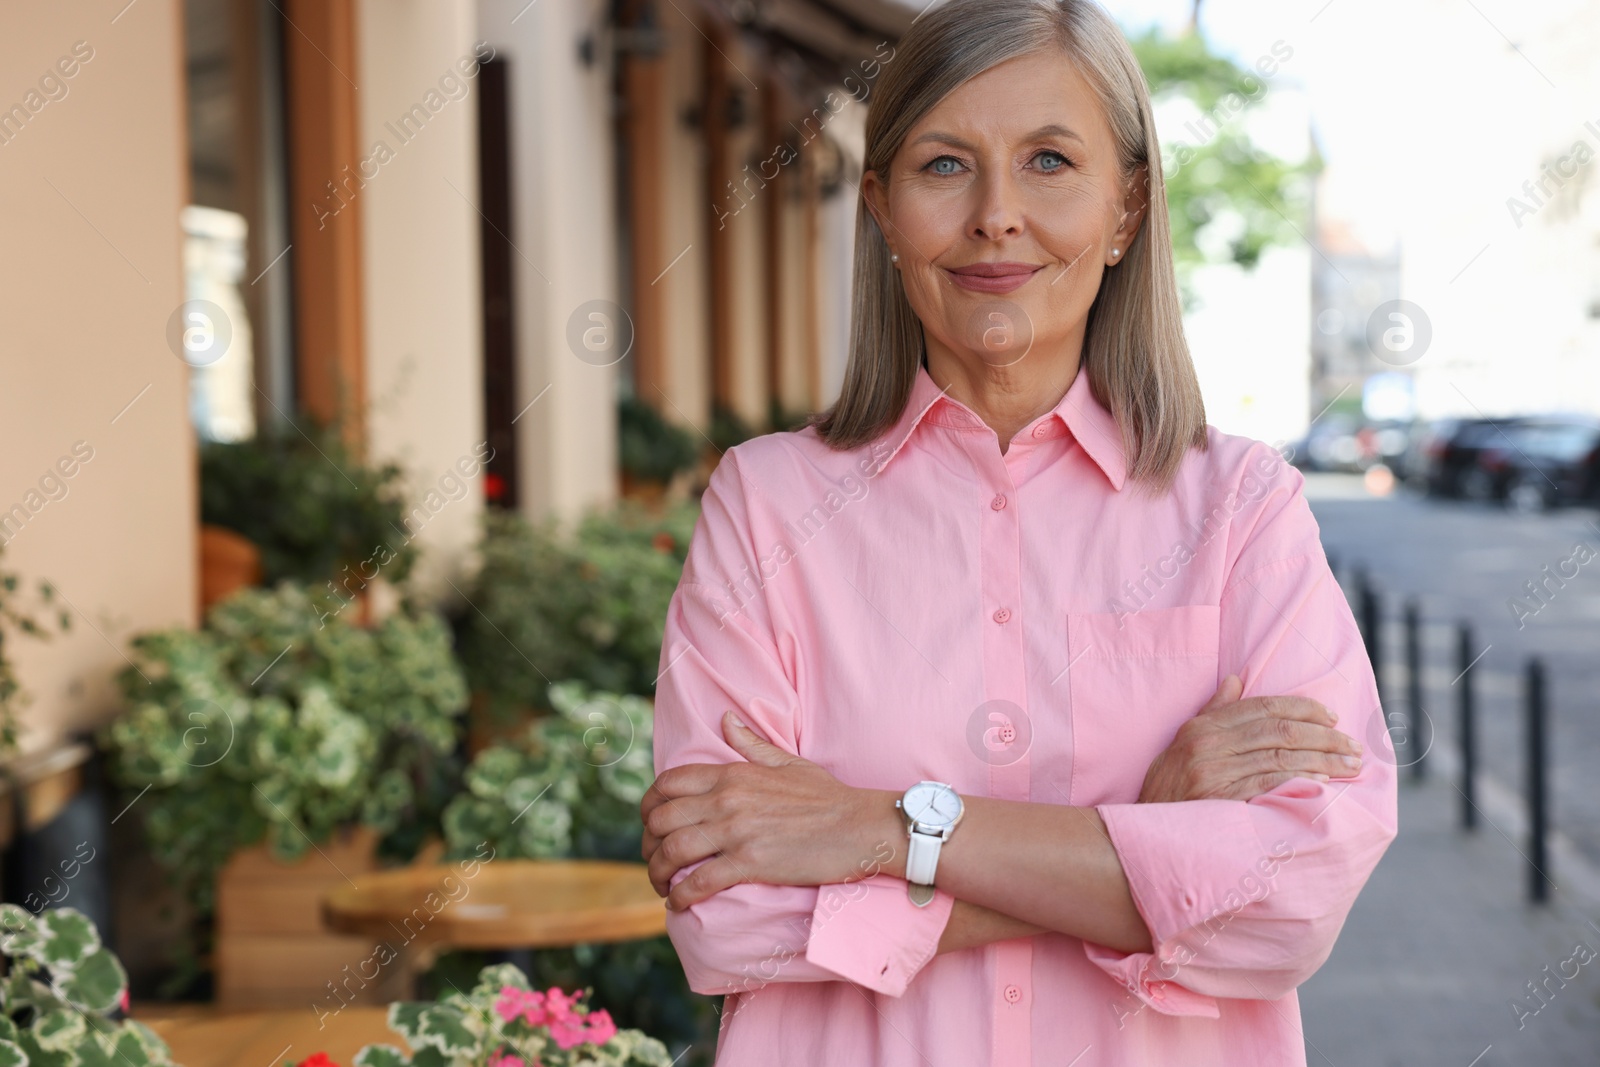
(1008, 397)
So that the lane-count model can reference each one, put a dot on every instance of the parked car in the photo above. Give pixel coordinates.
(1330, 445)
(1540, 463)
(1342, 442)
(1446, 457)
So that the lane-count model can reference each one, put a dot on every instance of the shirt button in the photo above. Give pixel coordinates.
(998, 502)
(1013, 994)
(1042, 430)
(1008, 734)
(1002, 615)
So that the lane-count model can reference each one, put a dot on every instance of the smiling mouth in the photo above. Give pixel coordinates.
(993, 277)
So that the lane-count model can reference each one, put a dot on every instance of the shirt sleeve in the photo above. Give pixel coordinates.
(719, 652)
(1244, 899)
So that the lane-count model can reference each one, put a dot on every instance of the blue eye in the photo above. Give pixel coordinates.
(1060, 161)
(938, 166)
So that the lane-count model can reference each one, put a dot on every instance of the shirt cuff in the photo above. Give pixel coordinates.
(1184, 864)
(870, 933)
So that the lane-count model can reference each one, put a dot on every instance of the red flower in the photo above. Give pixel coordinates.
(663, 542)
(318, 1059)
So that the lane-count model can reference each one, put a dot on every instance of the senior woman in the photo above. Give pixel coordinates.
(996, 714)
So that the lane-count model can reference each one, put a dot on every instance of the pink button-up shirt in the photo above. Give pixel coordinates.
(1032, 627)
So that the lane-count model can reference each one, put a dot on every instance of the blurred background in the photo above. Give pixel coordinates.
(363, 360)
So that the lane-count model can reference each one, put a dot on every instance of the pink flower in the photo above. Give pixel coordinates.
(122, 999)
(514, 1003)
(509, 1060)
(601, 1028)
(570, 1032)
(559, 1005)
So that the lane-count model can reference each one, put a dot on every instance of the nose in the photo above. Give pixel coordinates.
(997, 210)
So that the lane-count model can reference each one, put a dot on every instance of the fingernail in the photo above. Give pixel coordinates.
(736, 720)
(1319, 777)
(1350, 761)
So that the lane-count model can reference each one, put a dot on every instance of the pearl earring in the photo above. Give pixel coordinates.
(1116, 252)
(894, 257)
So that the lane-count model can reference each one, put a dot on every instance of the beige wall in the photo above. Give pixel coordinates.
(90, 191)
(421, 269)
(565, 235)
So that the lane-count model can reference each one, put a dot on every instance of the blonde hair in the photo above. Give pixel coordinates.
(1134, 348)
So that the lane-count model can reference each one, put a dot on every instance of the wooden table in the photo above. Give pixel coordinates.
(205, 1037)
(506, 904)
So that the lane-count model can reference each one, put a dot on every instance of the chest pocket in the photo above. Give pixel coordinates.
(1135, 678)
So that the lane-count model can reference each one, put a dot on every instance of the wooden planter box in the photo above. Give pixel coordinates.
(271, 947)
(228, 562)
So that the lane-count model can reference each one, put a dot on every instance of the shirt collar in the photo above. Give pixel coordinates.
(1077, 413)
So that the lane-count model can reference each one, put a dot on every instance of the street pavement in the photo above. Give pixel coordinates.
(1442, 943)
(1435, 961)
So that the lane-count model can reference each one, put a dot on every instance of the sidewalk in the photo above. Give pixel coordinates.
(1442, 942)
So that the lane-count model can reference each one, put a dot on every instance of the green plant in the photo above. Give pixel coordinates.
(281, 721)
(589, 607)
(651, 448)
(308, 503)
(12, 695)
(571, 786)
(781, 419)
(60, 991)
(504, 1022)
(728, 428)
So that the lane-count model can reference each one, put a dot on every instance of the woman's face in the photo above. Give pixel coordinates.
(1004, 204)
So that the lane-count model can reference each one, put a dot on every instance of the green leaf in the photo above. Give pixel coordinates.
(495, 977)
(97, 983)
(446, 1028)
(19, 931)
(381, 1056)
(95, 1052)
(133, 1050)
(136, 1035)
(69, 938)
(428, 1056)
(405, 1019)
(39, 1056)
(57, 1031)
(11, 1055)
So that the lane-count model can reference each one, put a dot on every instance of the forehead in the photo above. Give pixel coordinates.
(1014, 98)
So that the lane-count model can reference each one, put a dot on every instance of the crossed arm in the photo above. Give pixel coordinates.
(780, 819)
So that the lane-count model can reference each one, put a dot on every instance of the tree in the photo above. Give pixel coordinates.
(1228, 198)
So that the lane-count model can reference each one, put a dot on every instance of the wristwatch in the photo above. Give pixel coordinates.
(931, 811)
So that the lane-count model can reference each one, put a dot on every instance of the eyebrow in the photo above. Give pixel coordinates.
(1055, 129)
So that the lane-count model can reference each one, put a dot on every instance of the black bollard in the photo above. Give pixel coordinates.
(1371, 615)
(1417, 735)
(1467, 727)
(1538, 810)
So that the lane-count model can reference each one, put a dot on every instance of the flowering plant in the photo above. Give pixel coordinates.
(61, 995)
(505, 1022)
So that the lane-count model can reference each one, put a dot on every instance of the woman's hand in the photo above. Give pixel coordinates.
(1237, 749)
(776, 818)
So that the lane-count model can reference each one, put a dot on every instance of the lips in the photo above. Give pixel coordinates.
(993, 277)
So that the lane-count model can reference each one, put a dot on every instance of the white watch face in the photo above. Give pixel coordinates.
(933, 804)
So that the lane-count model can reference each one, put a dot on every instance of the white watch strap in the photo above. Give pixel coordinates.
(922, 858)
